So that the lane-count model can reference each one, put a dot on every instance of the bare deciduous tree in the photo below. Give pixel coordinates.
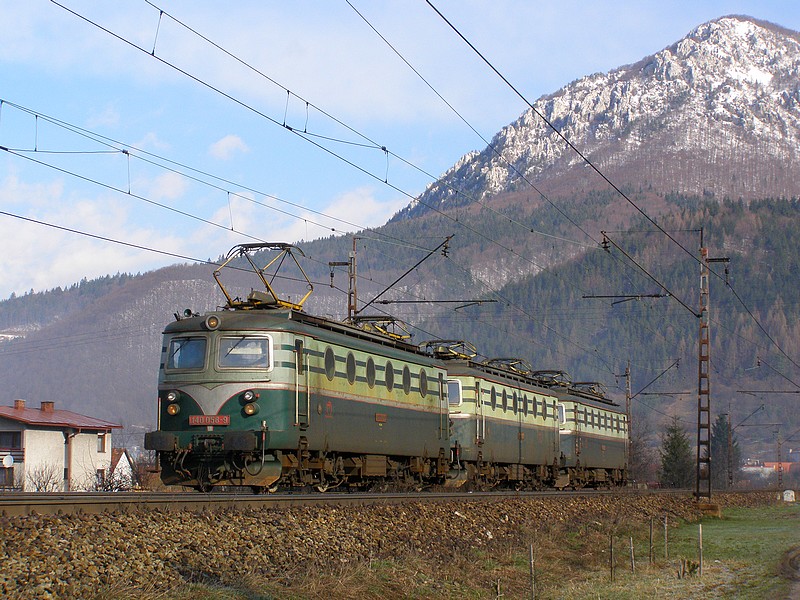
(46, 477)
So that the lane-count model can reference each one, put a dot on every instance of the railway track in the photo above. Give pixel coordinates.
(14, 504)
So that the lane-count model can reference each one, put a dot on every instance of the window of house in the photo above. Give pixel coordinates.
(6, 477)
(101, 442)
(11, 440)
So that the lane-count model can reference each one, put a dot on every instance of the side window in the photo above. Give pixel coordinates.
(10, 440)
(423, 383)
(330, 363)
(389, 376)
(505, 400)
(244, 352)
(350, 367)
(299, 358)
(562, 414)
(454, 392)
(370, 372)
(406, 380)
(187, 353)
(494, 398)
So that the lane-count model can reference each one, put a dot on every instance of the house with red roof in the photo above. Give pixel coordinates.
(49, 450)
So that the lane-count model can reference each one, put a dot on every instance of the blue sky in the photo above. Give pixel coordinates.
(269, 183)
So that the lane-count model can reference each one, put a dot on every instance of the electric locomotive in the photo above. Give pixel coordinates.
(515, 427)
(260, 394)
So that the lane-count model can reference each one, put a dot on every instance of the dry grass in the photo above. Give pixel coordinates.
(742, 553)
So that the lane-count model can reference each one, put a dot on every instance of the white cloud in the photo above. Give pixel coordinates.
(169, 186)
(152, 141)
(40, 257)
(107, 117)
(225, 148)
(272, 221)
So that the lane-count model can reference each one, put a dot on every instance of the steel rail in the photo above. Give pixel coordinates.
(16, 503)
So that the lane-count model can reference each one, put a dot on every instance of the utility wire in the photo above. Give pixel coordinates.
(590, 164)
(297, 132)
(487, 142)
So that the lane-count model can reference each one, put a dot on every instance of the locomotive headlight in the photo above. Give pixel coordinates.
(172, 396)
(212, 322)
(173, 409)
(250, 409)
(249, 396)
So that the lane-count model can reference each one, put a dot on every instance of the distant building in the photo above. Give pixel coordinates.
(786, 467)
(44, 449)
(122, 472)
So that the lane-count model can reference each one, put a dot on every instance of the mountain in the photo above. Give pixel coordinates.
(718, 111)
(703, 134)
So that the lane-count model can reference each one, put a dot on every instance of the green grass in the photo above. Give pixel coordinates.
(741, 557)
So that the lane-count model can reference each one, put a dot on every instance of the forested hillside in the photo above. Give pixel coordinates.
(552, 318)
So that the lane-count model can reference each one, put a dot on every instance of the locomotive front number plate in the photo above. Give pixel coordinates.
(209, 420)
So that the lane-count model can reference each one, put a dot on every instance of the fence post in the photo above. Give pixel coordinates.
(666, 553)
(533, 574)
(633, 562)
(651, 541)
(700, 548)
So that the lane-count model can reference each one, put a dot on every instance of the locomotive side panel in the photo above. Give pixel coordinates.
(504, 430)
(364, 402)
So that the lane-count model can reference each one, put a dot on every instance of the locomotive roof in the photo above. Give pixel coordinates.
(256, 320)
(565, 392)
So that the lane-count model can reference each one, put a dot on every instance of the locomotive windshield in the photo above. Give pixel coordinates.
(187, 353)
(244, 352)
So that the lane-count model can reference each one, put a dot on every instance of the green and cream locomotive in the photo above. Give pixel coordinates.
(515, 427)
(262, 394)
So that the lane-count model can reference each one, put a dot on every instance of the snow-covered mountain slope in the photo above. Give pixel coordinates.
(718, 111)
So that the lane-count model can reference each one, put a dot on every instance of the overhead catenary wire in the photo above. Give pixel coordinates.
(602, 175)
(487, 142)
(297, 132)
(323, 148)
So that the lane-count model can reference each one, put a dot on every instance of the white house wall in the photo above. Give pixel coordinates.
(44, 455)
(86, 461)
(45, 451)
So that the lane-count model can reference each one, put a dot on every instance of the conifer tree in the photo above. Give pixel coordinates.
(677, 462)
(720, 456)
